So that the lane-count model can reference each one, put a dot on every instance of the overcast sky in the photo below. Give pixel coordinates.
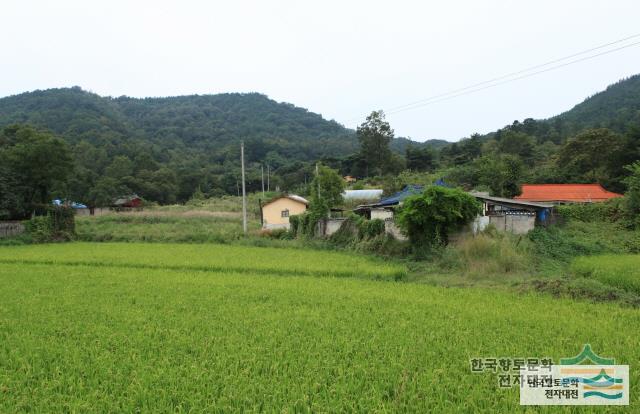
(338, 58)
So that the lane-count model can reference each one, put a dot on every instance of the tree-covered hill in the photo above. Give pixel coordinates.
(186, 123)
(616, 108)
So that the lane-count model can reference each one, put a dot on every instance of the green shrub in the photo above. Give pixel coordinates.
(428, 218)
(369, 229)
(612, 211)
(294, 225)
(57, 225)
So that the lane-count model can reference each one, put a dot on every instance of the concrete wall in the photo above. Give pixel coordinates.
(11, 228)
(332, 225)
(272, 212)
(329, 226)
(381, 213)
(514, 223)
(391, 228)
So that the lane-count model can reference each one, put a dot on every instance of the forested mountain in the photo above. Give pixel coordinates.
(167, 149)
(196, 123)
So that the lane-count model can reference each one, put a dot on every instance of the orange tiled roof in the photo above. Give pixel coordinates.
(565, 192)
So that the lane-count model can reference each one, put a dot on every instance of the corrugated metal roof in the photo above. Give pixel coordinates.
(396, 198)
(362, 194)
(510, 201)
(289, 196)
(565, 192)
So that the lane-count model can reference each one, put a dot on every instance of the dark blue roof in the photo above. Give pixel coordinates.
(396, 198)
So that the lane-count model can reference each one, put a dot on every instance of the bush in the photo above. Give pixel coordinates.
(369, 229)
(428, 218)
(57, 225)
(294, 225)
(612, 211)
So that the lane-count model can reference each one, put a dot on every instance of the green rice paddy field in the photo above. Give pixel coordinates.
(219, 328)
(621, 270)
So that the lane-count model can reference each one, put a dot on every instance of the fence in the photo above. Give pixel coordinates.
(11, 228)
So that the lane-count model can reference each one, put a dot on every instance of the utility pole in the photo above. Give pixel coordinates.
(262, 172)
(244, 193)
(268, 177)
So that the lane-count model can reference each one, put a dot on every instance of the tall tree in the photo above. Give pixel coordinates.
(330, 186)
(375, 135)
(36, 162)
(595, 155)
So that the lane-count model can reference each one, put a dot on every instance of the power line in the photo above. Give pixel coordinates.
(514, 79)
(457, 92)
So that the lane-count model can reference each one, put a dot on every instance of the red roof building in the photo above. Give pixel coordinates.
(566, 193)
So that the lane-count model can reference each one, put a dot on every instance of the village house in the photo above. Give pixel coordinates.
(276, 212)
(132, 202)
(565, 193)
(510, 215)
(505, 214)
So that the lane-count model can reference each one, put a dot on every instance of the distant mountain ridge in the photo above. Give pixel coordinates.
(191, 123)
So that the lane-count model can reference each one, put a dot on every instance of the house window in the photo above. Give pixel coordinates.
(284, 213)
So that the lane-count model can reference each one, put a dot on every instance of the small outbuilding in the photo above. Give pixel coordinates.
(276, 212)
(506, 214)
(130, 202)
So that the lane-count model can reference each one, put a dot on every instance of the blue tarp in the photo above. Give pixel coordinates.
(396, 198)
(73, 204)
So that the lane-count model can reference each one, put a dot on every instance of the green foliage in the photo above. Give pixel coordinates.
(500, 174)
(375, 135)
(577, 238)
(294, 225)
(632, 197)
(612, 210)
(372, 228)
(356, 229)
(420, 159)
(330, 186)
(594, 155)
(427, 219)
(163, 149)
(57, 225)
(34, 164)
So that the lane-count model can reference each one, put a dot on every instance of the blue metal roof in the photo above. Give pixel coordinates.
(396, 198)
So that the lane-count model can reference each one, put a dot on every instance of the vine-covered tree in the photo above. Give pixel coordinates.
(428, 219)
